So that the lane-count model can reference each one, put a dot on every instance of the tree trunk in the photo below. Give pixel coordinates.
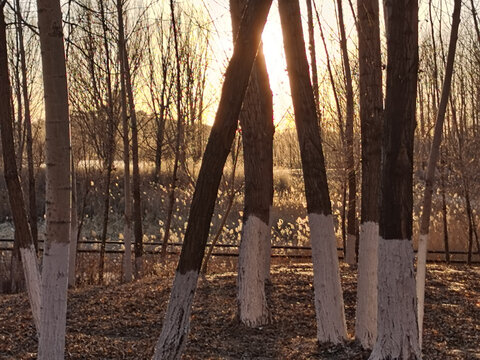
(444, 210)
(371, 110)
(72, 264)
(32, 199)
(328, 293)
(127, 228)
(137, 206)
(23, 236)
(432, 163)
(350, 252)
(178, 138)
(256, 120)
(58, 184)
(177, 318)
(110, 143)
(397, 318)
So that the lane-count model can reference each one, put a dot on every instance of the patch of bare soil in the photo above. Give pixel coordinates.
(124, 321)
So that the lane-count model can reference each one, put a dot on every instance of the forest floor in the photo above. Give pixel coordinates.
(124, 321)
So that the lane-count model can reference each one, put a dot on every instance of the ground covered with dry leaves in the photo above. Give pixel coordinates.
(124, 321)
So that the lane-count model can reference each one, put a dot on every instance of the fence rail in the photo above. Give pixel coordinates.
(278, 251)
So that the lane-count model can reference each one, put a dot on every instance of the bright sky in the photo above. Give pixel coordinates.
(218, 11)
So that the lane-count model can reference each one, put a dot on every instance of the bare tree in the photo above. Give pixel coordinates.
(371, 108)
(127, 232)
(350, 252)
(256, 119)
(329, 307)
(397, 317)
(432, 163)
(22, 229)
(177, 318)
(58, 188)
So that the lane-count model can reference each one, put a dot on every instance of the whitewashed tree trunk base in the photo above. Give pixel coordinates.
(421, 272)
(177, 318)
(329, 308)
(33, 281)
(366, 316)
(350, 251)
(54, 300)
(397, 311)
(251, 272)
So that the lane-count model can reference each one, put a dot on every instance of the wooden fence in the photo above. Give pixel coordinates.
(281, 251)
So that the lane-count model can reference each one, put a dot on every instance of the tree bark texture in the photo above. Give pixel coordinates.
(397, 318)
(328, 293)
(256, 120)
(432, 164)
(23, 237)
(176, 323)
(58, 183)
(371, 110)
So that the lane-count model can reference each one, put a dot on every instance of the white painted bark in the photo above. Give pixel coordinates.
(366, 316)
(421, 272)
(32, 278)
(173, 337)
(397, 312)
(54, 300)
(350, 251)
(251, 273)
(127, 255)
(329, 308)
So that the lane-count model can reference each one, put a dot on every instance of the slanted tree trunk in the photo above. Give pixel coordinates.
(127, 228)
(58, 185)
(371, 110)
(397, 317)
(328, 293)
(23, 236)
(256, 119)
(32, 199)
(350, 252)
(177, 318)
(432, 164)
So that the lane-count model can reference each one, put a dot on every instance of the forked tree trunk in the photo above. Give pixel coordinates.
(58, 184)
(432, 164)
(127, 214)
(23, 236)
(371, 110)
(328, 293)
(256, 119)
(177, 318)
(351, 240)
(397, 317)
